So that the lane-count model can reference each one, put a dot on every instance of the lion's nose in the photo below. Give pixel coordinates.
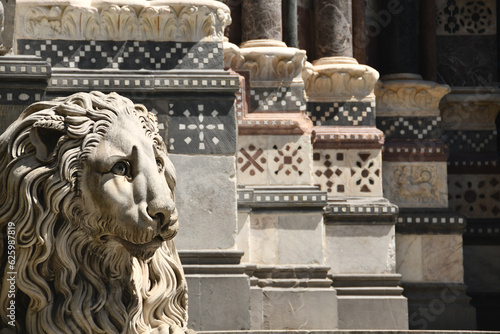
(161, 211)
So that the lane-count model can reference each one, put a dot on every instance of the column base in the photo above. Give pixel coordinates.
(370, 301)
(439, 306)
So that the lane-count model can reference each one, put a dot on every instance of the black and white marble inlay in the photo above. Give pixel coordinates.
(197, 126)
(471, 141)
(410, 127)
(342, 113)
(126, 55)
(283, 98)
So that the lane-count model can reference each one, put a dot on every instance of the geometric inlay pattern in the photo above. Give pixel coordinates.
(410, 127)
(199, 126)
(365, 173)
(475, 196)
(466, 17)
(20, 96)
(347, 173)
(288, 160)
(342, 113)
(281, 98)
(125, 55)
(274, 160)
(471, 141)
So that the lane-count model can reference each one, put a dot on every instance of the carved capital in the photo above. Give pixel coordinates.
(338, 78)
(470, 109)
(409, 95)
(267, 61)
(168, 20)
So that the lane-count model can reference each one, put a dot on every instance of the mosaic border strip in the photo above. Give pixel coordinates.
(426, 221)
(410, 127)
(273, 197)
(125, 55)
(471, 141)
(149, 81)
(342, 113)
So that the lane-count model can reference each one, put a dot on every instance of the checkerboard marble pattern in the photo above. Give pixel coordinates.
(126, 55)
(410, 127)
(342, 113)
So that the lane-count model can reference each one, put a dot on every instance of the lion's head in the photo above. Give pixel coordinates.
(87, 182)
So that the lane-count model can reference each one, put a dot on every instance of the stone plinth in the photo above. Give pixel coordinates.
(289, 297)
(361, 296)
(429, 235)
(217, 278)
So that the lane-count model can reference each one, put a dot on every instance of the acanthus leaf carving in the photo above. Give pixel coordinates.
(463, 109)
(119, 23)
(409, 95)
(41, 22)
(267, 61)
(157, 22)
(80, 21)
(171, 21)
(338, 77)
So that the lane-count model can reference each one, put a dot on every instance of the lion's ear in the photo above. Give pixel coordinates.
(45, 139)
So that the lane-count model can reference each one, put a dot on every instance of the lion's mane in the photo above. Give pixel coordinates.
(66, 283)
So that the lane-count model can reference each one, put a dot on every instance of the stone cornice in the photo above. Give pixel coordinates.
(408, 95)
(268, 62)
(168, 20)
(339, 79)
(336, 137)
(470, 109)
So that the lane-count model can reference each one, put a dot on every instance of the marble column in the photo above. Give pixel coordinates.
(290, 34)
(261, 20)
(333, 31)
(359, 30)
(427, 40)
(399, 43)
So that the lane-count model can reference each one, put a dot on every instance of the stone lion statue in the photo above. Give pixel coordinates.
(86, 191)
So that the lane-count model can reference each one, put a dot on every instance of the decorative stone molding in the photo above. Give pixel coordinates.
(470, 109)
(269, 62)
(166, 20)
(406, 151)
(406, 94)
(325, 137)
(416, 185)
(339, 79)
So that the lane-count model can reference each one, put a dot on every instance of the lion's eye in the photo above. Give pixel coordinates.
(159, 164)
(121, 168)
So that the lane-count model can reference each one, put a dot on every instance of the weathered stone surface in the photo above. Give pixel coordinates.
(363, 312)
(230, 294)
(430, 258)
(206, 201)
(274, 239)
(360, 248)
(299, 308)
